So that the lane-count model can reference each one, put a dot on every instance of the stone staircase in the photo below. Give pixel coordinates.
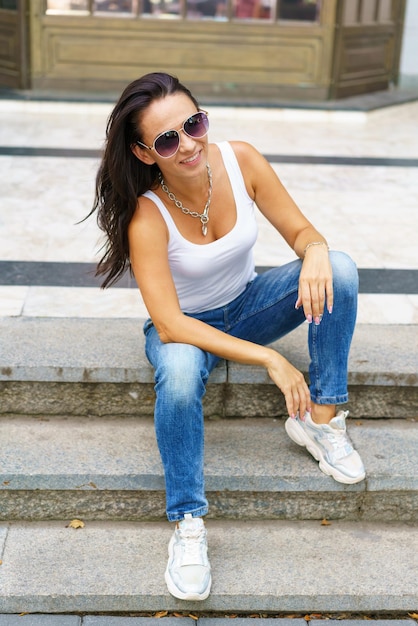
(77, 441)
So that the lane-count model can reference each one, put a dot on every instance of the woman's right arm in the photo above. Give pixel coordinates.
(148, 243)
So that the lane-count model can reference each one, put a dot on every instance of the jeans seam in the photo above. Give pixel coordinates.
(314, 361)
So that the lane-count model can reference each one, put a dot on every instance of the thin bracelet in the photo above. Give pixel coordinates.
(315, 243)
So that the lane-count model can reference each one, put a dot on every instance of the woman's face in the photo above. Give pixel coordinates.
(166, 114)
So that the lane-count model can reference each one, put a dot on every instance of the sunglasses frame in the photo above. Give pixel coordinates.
(171, 130)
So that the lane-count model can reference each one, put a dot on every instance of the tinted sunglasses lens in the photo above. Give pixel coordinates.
(166, 145)
(197, 125)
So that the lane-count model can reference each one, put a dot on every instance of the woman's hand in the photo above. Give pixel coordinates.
(315, 284)
(291, 383)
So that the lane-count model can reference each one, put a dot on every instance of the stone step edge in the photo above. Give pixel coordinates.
(283, 566)
(87, 350)
(109, 468)
(176, 618)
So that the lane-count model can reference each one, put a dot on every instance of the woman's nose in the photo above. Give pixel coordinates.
(185, 140)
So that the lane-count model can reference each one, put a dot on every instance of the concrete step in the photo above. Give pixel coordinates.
(258, 566)
(108, 468)
(97, 366)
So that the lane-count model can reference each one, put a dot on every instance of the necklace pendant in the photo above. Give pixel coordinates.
(204, 217)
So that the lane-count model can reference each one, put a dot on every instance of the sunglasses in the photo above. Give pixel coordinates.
(168, 142)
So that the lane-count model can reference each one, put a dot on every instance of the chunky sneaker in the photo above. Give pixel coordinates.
(330, 445)
(188, 570)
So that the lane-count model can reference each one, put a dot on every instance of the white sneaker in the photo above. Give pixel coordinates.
(188, 570)
(330, 445)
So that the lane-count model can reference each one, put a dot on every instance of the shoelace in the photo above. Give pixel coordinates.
(191, 540)
(341, 443)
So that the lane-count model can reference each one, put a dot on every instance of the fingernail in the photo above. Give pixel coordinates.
(296, 306)
(309, 319)
(330, 310)
(317, 321)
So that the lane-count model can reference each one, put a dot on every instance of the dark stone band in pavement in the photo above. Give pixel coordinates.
(60, 274)
(87, 153)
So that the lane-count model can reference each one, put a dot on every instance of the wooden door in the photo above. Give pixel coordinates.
(13, 45)
(367, 42)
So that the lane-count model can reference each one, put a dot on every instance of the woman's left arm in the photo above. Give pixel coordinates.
(275, 203)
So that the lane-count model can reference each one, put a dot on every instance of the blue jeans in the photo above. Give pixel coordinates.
(263, 313)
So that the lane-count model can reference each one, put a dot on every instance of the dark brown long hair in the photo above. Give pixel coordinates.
(122, 177)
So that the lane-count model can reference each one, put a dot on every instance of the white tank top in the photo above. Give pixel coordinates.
(208, 276)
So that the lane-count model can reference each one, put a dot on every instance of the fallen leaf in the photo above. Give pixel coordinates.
(93, 485)
(76, 523)
(195, 617)
(6, 482)
(325, 522)
(161, 614)
(358, 423)
(1, 562)
(413, 615)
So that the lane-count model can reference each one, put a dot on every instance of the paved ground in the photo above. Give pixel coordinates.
(179, 620)
(353, 173)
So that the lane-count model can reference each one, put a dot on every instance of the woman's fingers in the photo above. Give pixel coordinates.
(292, 384)
(315, 296)
(315, 285)
(329, 295)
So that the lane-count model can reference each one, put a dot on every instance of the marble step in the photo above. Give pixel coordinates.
(108, 468)
(257, 566)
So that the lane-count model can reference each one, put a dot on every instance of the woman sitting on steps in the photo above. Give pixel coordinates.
(180, 212)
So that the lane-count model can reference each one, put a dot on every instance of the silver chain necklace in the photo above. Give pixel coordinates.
(204, 217)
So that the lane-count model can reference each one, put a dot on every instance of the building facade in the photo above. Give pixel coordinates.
(230, 50)
(408, 71)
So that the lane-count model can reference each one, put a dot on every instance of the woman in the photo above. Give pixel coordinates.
(179, 212)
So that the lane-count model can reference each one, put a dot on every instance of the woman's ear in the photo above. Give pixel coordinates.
(143, 154)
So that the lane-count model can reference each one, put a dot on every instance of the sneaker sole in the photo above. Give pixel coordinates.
(298, 435)
(175, 591)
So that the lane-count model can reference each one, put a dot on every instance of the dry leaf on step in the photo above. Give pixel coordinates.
(76, 523)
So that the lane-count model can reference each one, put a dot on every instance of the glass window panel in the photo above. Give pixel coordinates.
(252, 9)
(11, 5)
(385, 11)
(306, 10)
(113, 6)
(161, 8)
(66, 6)
(350, 12)
(206, 9)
